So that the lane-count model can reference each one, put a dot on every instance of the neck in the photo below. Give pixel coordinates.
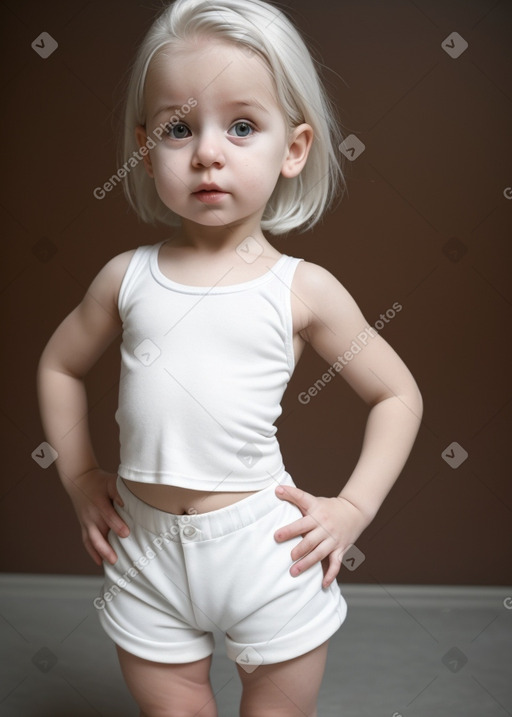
(215, 240)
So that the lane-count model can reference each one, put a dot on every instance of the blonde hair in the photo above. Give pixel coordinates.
(257, 27)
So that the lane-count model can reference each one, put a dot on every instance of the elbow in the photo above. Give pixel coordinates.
(51, 362)
(42, 364)
(44, 368)
(46, 362)
(410, 397)
(416, 401)
(413, 399)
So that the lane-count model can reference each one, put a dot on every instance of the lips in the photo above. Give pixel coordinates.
(208, 188)
(209, 194)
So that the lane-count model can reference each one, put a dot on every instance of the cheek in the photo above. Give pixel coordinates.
(269, 171)
(167, 166)
(164, 178)
(254, 183)
(159, 158)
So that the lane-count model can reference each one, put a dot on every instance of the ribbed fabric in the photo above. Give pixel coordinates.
(203, 373)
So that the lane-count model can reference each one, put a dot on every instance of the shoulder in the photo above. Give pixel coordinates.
(311, 274)
(317, 284)
(116, 267)
(106, 284)
(114, 270)
(322, 294)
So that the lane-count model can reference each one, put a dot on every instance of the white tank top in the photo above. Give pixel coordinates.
(203, 373)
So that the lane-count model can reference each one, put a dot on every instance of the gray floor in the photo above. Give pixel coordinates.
(402, 652)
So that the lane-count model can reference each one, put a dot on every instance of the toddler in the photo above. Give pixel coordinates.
(229, 136)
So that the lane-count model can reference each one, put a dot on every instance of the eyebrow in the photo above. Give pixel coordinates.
(236, 103)
(248, 103)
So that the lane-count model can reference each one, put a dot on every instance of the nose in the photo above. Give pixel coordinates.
(208, 150)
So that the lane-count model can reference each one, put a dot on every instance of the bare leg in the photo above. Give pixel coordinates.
(169, 690)
(286, 689)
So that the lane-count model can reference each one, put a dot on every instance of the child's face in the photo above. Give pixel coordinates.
(235, 137)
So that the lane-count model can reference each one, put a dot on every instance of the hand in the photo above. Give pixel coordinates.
(329, 527)
(93, 495)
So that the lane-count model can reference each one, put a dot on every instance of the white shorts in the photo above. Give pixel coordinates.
(179, 578)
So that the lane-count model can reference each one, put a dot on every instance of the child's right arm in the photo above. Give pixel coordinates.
(73, 349)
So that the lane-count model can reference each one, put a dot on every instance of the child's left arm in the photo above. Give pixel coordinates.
(329, 526)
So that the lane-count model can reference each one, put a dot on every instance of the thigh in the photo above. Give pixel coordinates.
(169, 690)
(145, 606)
(287, 689)
(279, 617)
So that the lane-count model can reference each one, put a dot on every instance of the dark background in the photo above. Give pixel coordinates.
(426, 223)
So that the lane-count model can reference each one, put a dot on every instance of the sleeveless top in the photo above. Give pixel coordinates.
(203, 373)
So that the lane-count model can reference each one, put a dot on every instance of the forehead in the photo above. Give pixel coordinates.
(210, 70)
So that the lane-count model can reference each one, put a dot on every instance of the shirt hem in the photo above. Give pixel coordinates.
(226, 485)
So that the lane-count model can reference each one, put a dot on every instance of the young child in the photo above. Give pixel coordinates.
(229, 134)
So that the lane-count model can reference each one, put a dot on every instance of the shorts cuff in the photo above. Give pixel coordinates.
(294, 644)
(173, 652)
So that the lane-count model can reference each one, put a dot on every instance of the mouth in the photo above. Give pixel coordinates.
(208, 188)
(209, 193)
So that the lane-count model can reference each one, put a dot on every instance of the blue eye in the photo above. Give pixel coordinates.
(177, 131)
(243, 129)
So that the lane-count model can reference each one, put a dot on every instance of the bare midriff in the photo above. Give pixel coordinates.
(183, 501)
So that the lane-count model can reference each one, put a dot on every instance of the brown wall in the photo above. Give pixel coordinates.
(425, 223)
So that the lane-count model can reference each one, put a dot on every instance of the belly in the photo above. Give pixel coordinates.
(182, 501)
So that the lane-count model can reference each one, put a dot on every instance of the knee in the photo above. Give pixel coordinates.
(255, 711)
(278, 705)
(191, 705)
(169, 690)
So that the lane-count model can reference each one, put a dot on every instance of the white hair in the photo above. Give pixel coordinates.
(261, 28)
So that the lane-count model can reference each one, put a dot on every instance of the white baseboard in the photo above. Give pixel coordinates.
(357, 595)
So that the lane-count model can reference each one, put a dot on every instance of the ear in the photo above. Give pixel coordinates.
(298, 149)
(142, 138)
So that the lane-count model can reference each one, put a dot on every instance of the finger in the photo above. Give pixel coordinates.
(292, 530)
(102, 546)
(311, 559)
(92, 552)
(120, 528)
(312, 540)
(333, 570)
(296, 495)
(114, 521)
(112, 518)
(114, 493)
